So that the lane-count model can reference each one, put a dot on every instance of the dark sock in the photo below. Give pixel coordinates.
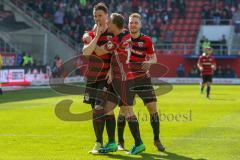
(202, 88)
(134, 128)
(154, 119)
(208, 90)
(98, 124)
(121, 123)
(110, 126)
(1, 92)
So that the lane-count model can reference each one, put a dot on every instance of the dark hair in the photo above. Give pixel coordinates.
(100, 6)
(118, 20)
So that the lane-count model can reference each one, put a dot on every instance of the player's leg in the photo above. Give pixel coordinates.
(155, 123)
(203, 83)
(209, 82)
(146, 92)
(111, 146)
(1, 92)
(133, 124)
(94, 96)
(121, 123)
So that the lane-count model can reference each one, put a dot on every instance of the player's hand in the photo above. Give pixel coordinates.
(201, 68)
(214, 67)
(99, 30)
(109, 77)
(87, 39)
(146, 66)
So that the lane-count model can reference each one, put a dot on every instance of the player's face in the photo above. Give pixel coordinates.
(100, 17)
(134, 25)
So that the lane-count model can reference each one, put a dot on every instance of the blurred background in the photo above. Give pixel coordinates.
(37, 36)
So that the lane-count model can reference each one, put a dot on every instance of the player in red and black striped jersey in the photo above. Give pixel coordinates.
(207, 65)
(141, 58)
(120, 45)
(97, 73)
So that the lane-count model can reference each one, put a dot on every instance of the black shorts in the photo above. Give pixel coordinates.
(126, 90)
(96, 92)
(144, 89)
(207, 78)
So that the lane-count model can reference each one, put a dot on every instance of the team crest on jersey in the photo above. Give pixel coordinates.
(140, 44)
(110, 46)
(109, 37)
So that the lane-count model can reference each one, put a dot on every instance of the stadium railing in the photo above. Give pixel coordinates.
(217, 22)
(189, 49)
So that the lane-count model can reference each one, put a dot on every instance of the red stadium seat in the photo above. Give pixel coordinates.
(185, 33)
(174, 21)
(180, 21)
(177, 33)
(186, 27)
(188, 21)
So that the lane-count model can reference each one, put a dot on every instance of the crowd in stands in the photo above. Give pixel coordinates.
(75, 16)
(219, 46)
(220, 72)
(222, 12)
(219, 11)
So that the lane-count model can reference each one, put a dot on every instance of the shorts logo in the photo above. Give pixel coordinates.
(104, 89)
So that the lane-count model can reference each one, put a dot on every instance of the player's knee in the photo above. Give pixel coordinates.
(128, 111)
(152, 107)
(109, 108)
(121, 111)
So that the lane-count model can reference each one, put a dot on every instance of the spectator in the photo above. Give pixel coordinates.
(180, 71)
(236, 21)
(229, 72)
(182, 8)
(56, 71)
(204, 42)
(219, 72)
(168, 39)
(58, 18)
(223, 45)
(194, 72)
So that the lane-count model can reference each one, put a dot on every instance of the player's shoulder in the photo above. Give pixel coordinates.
(124, 35)
(125, 32)
(144, 36)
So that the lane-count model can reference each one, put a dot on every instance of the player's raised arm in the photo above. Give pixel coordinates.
(89, 43)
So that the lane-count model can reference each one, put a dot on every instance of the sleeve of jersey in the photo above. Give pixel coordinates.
(150, 47)
(200, 60)
(87, 38)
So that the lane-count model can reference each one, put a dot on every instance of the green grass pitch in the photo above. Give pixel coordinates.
(192, 126)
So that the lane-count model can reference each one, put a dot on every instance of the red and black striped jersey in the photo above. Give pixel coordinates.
(206, 62)
(120, 45)
(98, 66)
(141, 48)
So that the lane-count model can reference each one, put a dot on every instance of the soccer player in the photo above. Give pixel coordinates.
(121, 82)
(97, 86)
(142, 57)
(207, 65)
(1, 63)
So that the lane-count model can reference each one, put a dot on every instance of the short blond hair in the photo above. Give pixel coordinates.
(135, 15)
